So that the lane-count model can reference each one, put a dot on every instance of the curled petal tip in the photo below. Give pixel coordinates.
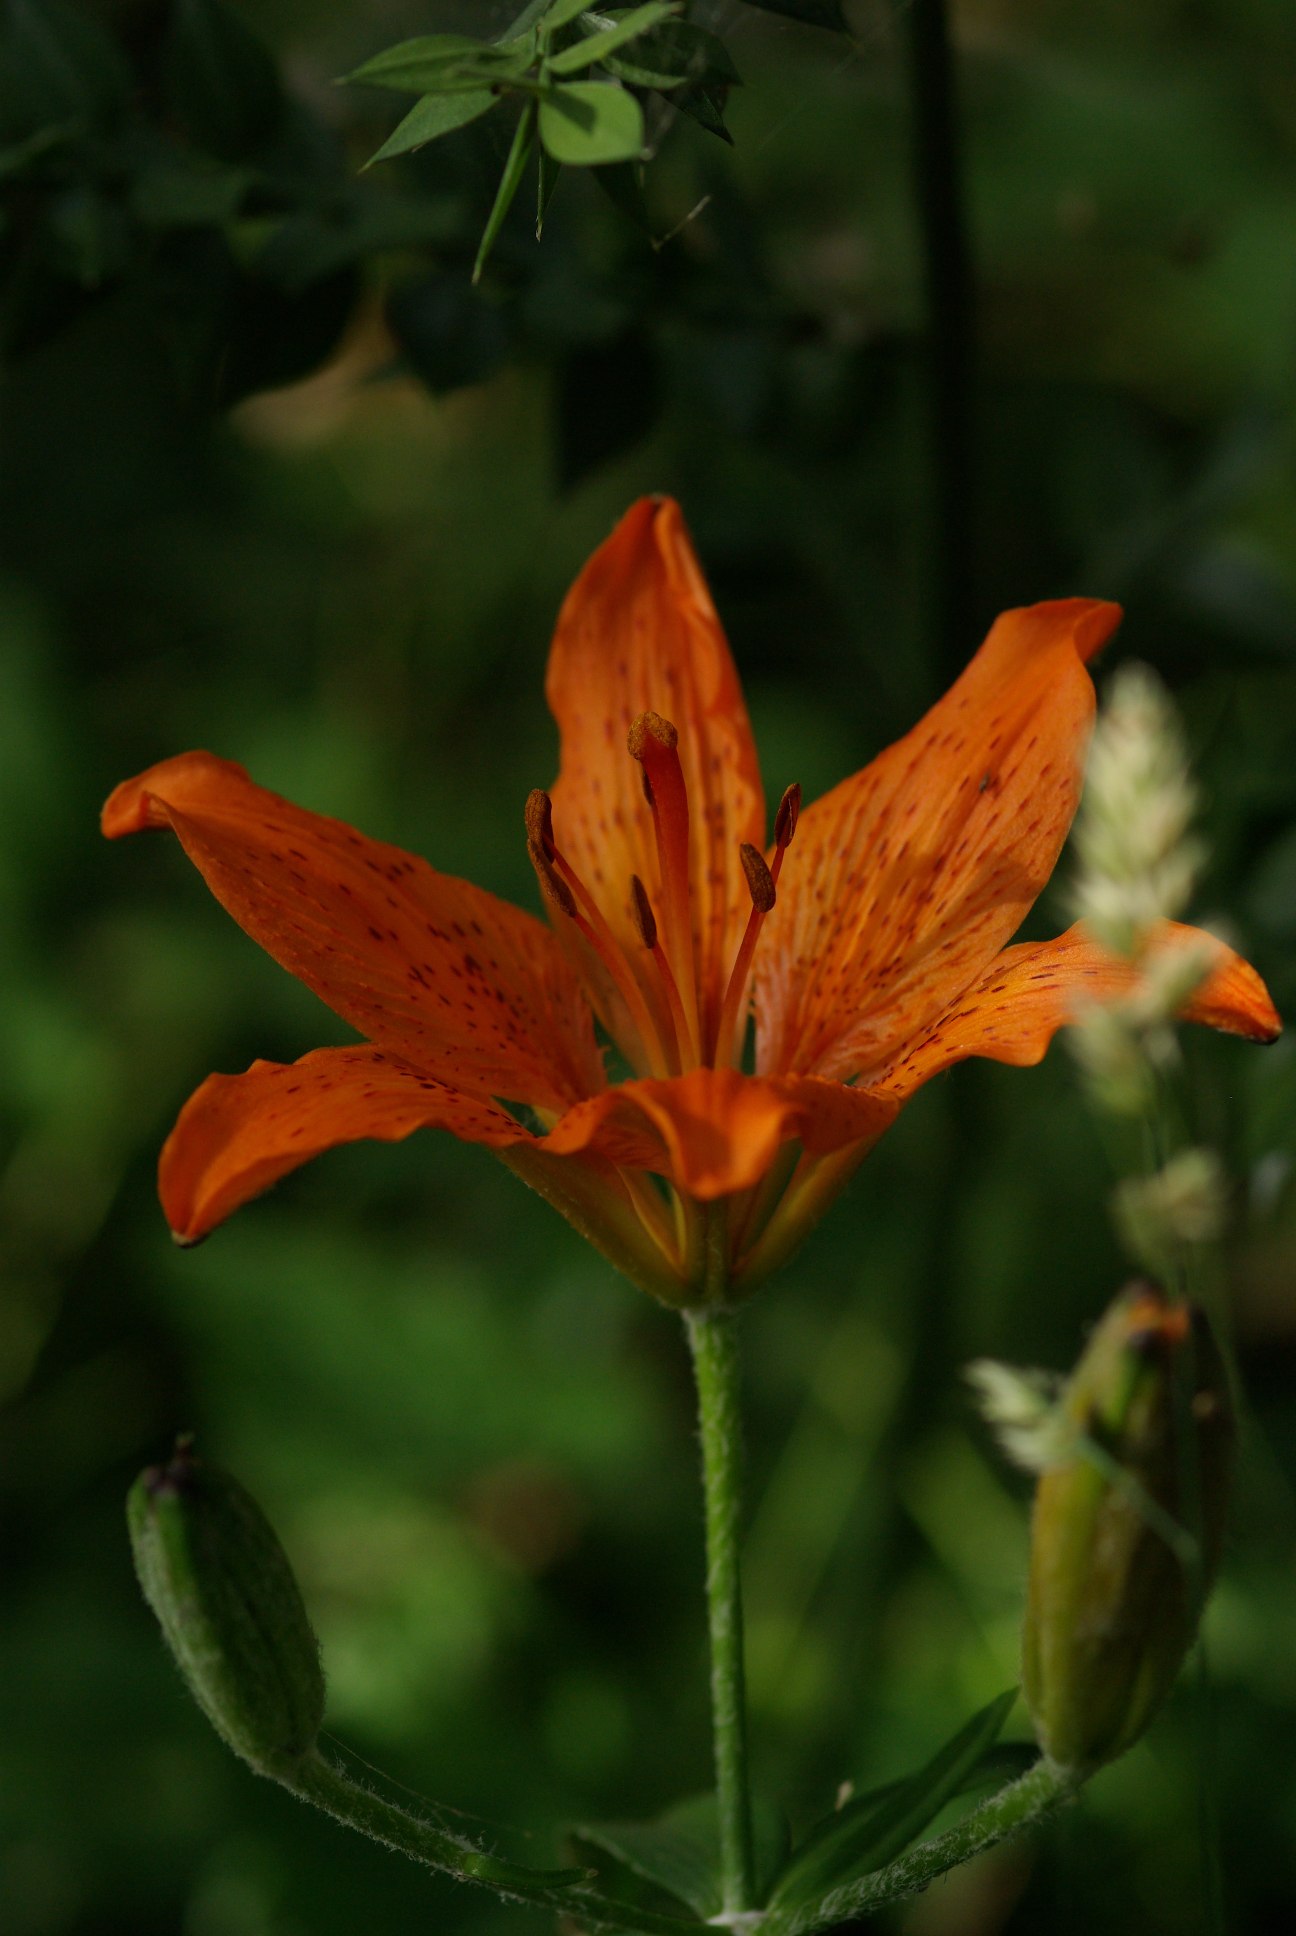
(1096, 621)
(183, 1241)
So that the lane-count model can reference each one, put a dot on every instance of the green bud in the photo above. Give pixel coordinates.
(1127, 1531)
(229, 1605)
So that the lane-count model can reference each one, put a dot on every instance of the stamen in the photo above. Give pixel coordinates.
(646, 923)
(789, 812)
(654, 742)
(762, 884)
(641, 910)
(760, 881)
(565, 890)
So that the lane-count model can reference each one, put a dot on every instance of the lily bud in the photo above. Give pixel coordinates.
(1127, 1530)
(230, 1608)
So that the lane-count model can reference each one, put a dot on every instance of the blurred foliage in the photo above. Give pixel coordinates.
(476, 1443)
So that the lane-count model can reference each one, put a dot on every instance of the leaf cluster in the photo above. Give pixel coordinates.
(592, 85)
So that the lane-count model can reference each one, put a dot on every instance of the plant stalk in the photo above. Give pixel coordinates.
(713, 1340)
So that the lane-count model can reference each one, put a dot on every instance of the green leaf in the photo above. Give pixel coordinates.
(686, 52)
(604, 1912)
(706, 106)
(593, 47)
(868, 1833)
(622, 183)
(588, 123)
(433, 116)
(220, 80)
(510, 181)
(680, 1851)
(814, 13)
(562, 13)
(442, 62)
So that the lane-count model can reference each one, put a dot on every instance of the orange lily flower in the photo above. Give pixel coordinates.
(868, 937)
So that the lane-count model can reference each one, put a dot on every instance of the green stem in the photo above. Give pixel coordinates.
(713, 1340)
(1013, 1808)
(947, 273)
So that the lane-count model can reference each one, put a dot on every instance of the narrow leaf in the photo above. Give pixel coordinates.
(510, 181)
(588, 123)
(546, 182)
(562, 13)
(437, 62)
(584, 53)
(434, 115)
(814, 13)
(867, 1834)
(220, 80)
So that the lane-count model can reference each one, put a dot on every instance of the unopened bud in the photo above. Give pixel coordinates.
(230, 1608)
(1117, 1578)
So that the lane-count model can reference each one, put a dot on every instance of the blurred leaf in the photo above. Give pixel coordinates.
(588, 123)
(317, 243)
(443, 62)
(594, 47)
(14, 159)
(451, 336)
(89, 236)
(680, 1851)
(181, 192)
(868, 1833)
(220, 79)
(562, 12)
(433, 116)
(680, 51)
(510, 181)
(57, 63)
(814, 13)
(622, 183)
(706, 106)
(609, 396)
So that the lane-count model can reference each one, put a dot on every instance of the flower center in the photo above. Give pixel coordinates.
(651, 997)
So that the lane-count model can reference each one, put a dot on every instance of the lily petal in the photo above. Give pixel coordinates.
(237, 1135)
(468, 989)
(713, 1132)
(1031, 991)
(638, 633)
(907, 879)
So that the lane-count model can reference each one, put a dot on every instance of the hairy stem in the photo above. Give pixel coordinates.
(713, 1340)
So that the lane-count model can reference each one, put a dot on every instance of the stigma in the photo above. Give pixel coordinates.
(642, 967)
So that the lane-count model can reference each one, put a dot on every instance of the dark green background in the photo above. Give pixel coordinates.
(475, 1441)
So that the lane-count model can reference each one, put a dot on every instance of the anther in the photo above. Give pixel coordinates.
(539, 820)
(760, 881)
(549, 878)
(641, 912)
(650, 724)
(789, 812)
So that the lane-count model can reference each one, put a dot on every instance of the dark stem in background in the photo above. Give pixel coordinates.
(950, 337)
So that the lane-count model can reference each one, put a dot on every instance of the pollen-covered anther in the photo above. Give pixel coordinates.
(789, 812)
(641, 912)
(650, 726)
(760, 882)
(554, 888)
(538, 814)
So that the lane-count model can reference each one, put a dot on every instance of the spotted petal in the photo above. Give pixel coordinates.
(1013, 1011)
(906, 880)
(467, 989)
(638, 633)
(237, 1135)
(714, 1132)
